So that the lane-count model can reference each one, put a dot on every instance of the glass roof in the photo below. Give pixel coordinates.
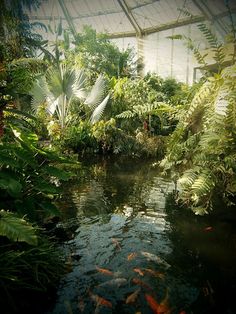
(126, 18)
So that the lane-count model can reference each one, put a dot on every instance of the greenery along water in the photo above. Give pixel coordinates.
(131, 250)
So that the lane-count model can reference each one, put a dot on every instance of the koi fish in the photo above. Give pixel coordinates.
(139, 271)
(131, 256)
(117, 244)
(132, 297)
(141, 283)
(81, 305)
(182, 312)
(152, 303)
(114, 282)
(157, 308)
(99, 300)
(156, 259)
(208, 228)
(154, 273)
(163, 306)
(104, 271)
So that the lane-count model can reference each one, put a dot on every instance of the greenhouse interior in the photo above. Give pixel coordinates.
(117, 156)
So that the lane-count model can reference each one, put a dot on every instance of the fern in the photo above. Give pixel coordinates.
(17, 229)
(202, 147)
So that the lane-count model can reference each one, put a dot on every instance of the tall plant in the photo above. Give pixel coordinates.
(202, 148)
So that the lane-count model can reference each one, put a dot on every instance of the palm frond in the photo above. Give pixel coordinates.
(79, 86)
(96, 94)
(39, 93)
(97, 113)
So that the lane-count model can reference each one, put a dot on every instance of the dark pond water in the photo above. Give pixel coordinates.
(130, 248)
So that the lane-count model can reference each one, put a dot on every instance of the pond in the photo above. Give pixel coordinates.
(130, 249)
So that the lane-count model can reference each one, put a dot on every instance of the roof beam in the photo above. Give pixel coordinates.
(209, 16)
(68, 17)
(163, 27)
(130, 17)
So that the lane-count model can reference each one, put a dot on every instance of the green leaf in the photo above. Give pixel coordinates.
(50, 209)
(45, 187)
(58, 173)
(11, 185)
(17, 229)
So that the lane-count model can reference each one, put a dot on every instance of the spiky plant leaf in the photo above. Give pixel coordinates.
(79, 86)
(96, 94)
(97, 113)
(39, 93)
(17, 229)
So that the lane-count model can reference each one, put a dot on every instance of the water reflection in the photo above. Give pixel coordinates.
(129, 251)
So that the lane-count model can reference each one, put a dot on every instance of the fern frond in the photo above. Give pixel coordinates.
(188, 178)
(211, 38)
(203, 184)
(126, 115)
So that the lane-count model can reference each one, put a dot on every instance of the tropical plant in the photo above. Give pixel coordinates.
(30, 180)
(97, 54)
(61, 85)
(17, 38)
(29, 174)
(79, 138)
(202, 148)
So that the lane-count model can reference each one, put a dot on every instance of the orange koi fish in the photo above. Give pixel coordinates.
(152, 303)
(132, 297)
(99, 300)
(157, 308)
(104, 271)
(117, 244)
(164, 307)
(139, 271)
(182, 312)
(141, 283)
(131, 256)
(154, 273)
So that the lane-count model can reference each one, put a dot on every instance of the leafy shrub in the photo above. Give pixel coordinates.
(79, 138)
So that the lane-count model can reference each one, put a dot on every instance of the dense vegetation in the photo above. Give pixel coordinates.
(87, 98)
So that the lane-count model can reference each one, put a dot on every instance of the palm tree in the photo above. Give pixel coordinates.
(60, 85)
